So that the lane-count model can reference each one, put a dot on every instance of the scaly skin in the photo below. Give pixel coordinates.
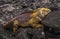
(29, 18)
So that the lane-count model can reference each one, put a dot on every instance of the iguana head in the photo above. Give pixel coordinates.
(41, 13)
(44, 11)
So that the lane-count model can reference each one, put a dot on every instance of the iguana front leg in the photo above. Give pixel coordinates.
(35, 23)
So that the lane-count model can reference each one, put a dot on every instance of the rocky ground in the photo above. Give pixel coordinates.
(10, 8)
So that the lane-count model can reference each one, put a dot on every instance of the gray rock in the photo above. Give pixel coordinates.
(52, 19)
